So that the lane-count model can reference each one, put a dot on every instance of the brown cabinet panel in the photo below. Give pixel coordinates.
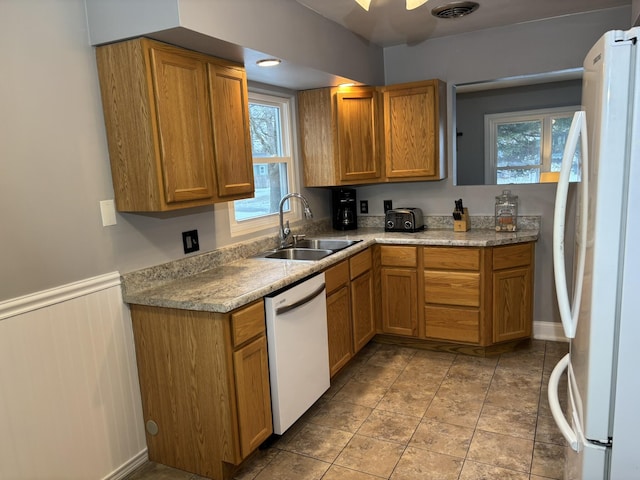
(395, 256)
(455, 324)
(510, 256)
(232, 140)
(414, 121)
(251, 368)
(452, 288)
(247, 323)
(362, 310)
(339, 328)
(451, 258)
(512, 304)
(357, 134)
(360, 263)
(399, 301)
(336, 276)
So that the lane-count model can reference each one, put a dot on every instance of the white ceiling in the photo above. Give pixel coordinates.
(388, 23)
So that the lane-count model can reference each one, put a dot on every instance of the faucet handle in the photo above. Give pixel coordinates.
(297, 237)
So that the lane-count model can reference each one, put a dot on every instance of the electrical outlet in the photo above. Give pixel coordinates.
(364, 206)
(190, 241)
(388, 205)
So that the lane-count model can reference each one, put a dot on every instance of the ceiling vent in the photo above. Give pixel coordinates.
(455, 10)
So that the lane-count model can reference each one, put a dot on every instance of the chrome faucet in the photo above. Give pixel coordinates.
(285, 231)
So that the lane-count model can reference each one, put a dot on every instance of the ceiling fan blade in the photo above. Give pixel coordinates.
(413, 4)
(365, 4)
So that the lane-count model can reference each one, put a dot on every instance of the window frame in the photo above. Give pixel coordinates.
(292, 213)
(544, 115)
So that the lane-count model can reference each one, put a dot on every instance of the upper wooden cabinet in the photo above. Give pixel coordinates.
(339, 134)
(177, 126)
(414, 126)
(364, 135)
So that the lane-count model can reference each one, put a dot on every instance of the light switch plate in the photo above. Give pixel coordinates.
(108, 212)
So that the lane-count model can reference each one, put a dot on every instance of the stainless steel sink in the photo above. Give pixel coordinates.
(309, 254)
(325, 244)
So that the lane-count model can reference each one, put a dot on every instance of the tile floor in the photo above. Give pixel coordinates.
(405, 414)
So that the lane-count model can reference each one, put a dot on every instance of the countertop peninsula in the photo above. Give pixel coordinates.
(221, 282)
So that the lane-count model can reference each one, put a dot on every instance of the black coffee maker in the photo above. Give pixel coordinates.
(344, 209)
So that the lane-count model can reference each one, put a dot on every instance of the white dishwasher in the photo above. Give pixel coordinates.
(298, 349)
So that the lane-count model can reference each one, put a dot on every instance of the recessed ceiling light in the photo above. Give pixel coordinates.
(268, 62)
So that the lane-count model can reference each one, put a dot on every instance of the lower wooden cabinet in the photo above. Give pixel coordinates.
(512, 291)
(339, 325)
(204, 380)
(362, 307)
(399, 289)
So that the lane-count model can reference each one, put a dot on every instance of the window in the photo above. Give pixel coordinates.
(273, 166)
(521, 145)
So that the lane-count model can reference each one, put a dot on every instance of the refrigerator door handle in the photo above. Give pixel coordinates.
(569, 315)
(556, 410)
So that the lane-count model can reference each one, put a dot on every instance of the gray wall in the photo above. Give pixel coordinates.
(473, 106)
(635, 8)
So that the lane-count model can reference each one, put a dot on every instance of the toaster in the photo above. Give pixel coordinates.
(403, 220)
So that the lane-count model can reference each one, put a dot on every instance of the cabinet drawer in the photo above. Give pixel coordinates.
(393, 256)
(248, 323)
(510, 256)
(336, 276)
(451, 258)
(456, 324)
(452, 288)
(360, 263)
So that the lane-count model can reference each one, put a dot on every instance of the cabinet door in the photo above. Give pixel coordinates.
(412, 129)
(356, 123)
(184, 126)
(339, 329)
(362, 310)
(512, 306)
(251, 371)
(399, 301)
(230, 111)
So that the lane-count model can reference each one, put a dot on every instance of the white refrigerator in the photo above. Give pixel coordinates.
(601, 316)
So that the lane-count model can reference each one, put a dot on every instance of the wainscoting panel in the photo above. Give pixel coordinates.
(69, 395)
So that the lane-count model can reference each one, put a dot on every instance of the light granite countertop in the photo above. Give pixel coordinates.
(218, 282)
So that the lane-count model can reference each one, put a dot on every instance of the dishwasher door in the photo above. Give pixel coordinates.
(298, 349)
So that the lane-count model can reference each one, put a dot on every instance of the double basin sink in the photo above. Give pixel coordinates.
(309, 249)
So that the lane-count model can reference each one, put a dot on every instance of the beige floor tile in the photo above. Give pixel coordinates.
(547, 431)
(414, 377)
(370, 455)
(457, 388)
(319, 442)
(479, 471)
(390, 355)
(489, 362)
(389, 426)
(378, 374)
(336, 472)
(359, 393)
(417, 464)
(157, 471)
(406, 400)
(530, 361)
(255, 464)
(501, 450)
(462, 412)
(340, 415)
(291, 466)
(507, 421)
(442, 438)
(514, 397)
(548, 460)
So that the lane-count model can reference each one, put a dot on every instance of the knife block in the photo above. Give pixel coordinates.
(463, 224)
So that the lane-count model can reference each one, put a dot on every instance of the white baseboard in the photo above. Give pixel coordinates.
(551, 331)
(129, 467)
